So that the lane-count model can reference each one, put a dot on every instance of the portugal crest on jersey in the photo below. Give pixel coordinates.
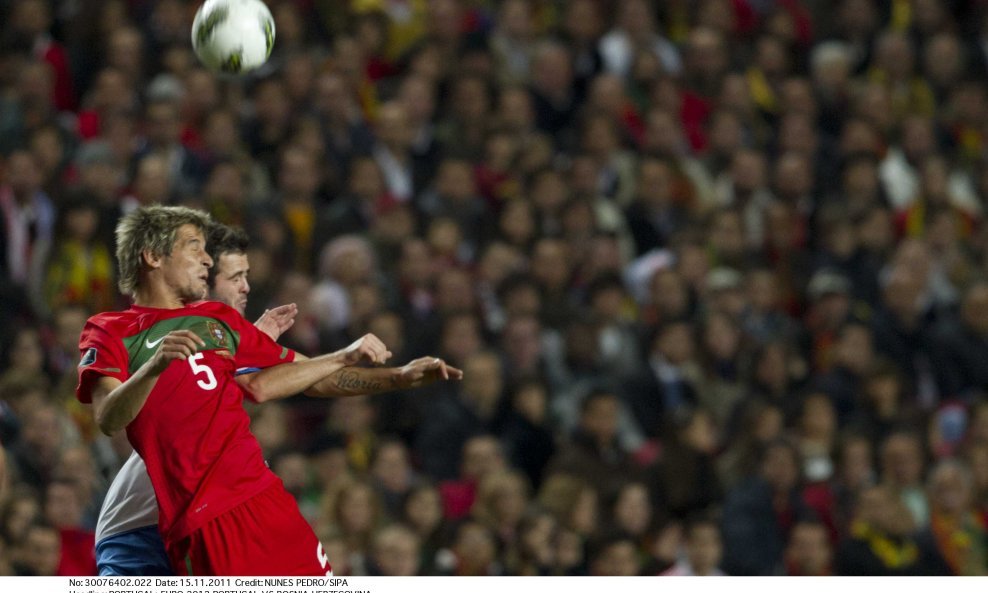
(219, 334)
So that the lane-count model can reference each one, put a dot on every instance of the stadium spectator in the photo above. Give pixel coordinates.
(703, 551)
(396, 552)
(880, 542)
(614, 556)
(422, 511)
(955, 535)
(760, 512)
(39, 552)
(593, 451)
(808, 552)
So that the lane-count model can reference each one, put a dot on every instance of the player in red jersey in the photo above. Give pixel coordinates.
(165, 370)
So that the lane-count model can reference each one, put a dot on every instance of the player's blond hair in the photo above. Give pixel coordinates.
(153, 229)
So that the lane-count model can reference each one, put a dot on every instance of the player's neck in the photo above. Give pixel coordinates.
(157, 297)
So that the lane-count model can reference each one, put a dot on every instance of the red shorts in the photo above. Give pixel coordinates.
(264, 536)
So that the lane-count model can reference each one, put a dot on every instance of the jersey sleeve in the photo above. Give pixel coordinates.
(256, 349)
(101, 355)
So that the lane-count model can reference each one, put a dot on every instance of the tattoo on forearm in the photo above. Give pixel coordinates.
(350, 381)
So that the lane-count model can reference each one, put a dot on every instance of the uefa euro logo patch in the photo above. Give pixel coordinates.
(88, 358)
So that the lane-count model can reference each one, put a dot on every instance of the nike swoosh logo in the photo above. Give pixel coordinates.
(151, 344)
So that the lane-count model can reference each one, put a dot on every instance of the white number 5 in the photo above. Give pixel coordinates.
(323, 560)
(210, 382)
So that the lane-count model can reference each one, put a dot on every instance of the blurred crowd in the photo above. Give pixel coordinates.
(716, 272)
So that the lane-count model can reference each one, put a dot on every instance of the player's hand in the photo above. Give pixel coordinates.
(423, 371)
(275, 322)
(176, 345)
(368, 348)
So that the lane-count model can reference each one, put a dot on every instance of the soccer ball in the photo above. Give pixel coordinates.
(233, 36)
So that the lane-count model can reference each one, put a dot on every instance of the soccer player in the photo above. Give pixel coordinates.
(127, 538)
(165, 370)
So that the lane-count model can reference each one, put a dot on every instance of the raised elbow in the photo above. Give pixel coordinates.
(104, 422)
(257, 388)
(260, 396)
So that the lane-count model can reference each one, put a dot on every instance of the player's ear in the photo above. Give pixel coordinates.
(151, 259)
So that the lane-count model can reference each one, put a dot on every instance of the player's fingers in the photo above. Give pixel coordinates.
(383, 355)
(285, 310)
(442, 368)
(190, 335)
(177, 350)
(376, 341)
(379, 352)
(192, 343)
(369, 352)
(453, 372)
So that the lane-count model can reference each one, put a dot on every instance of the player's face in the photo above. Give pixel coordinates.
(231, 286)
(186, 268)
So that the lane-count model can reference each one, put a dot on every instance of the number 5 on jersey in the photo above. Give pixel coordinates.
(210, 381)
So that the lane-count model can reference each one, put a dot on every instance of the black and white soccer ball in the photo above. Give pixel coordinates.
(233, 36)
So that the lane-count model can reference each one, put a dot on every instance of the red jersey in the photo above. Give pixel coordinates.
(192, 432)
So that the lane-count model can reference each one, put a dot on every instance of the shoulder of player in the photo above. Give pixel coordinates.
(219, 311)
(213, 307)
(111, 320)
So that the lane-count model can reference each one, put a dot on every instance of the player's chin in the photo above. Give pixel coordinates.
(199, 293)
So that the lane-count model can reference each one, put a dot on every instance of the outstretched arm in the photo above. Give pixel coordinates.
(364, 381)
(353, 380)
(303, 373)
